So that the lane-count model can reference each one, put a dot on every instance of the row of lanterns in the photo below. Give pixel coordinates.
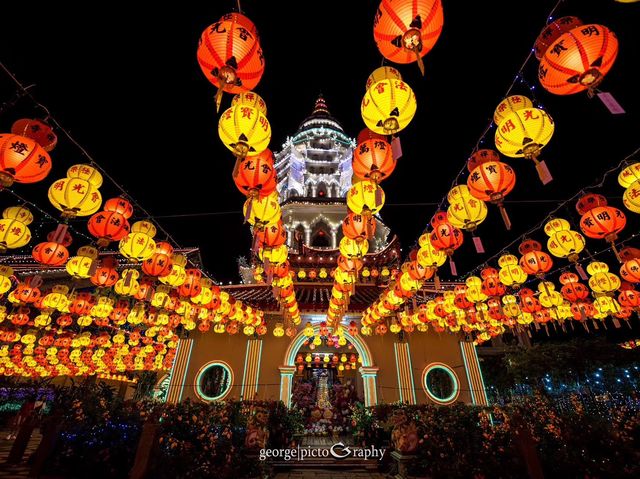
(598, 221)
(230, 56)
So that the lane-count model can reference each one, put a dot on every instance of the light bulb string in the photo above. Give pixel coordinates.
(550, 215)
(25, 90)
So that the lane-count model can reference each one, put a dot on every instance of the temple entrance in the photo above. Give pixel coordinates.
(325, 376)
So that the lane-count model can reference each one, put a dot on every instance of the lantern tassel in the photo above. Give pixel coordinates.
(452, 266)
(505, 216)
(61, 231)
(543, 172)
(420, 62)
(581, 272)
(378, 196)
(247, 213)
(436, 281)
(218, 97)
(477, 242)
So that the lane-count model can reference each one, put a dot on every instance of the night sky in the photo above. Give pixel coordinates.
(126, 84)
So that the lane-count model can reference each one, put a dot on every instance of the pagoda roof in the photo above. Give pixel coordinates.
(319, 122)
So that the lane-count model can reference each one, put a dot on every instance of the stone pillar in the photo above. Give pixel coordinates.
(314, 190)
(369, 381)
(286, 383)
(334, 238)
(290, 238)
(307, 236)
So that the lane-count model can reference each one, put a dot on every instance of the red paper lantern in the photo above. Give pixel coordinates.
(406, 30)
(22, 160)
(536, 262)
(160, 264)
(603, 222)
(37, 130)
(358, 226)
(106, 274)
(50, 253)
(255, 175)
(373, 160)
(271, 236)
(578, 59)
(230, 55)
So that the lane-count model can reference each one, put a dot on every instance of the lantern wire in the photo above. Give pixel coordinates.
(25, 92)
(598, 184)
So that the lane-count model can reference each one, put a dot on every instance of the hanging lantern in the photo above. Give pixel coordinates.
(551, 33)
(358, 226)
(406, 30)
(178, 274)
(578, 59)
(230, 55)
(77, 194)
(271, 236)
(365, 198)
(50, 253)
(466, 212)
(446, 237)
(534, 261)
(631, 197)
(22, 160)
(602, 281)
(601, 222)
(523, 133)
(491, 180)
(629, 175)
(256, 175)
(388, 106)
(83, 265)
(511, 273)
(630, 270)
(244, 130)
(5, 278)
(509, 105)
(261, 212)
(373, 160)
(111, 224)
(37, 130)
(139, 244)
(14, 229)
(159, 264)
(353, 248)
(564, 243)
(106, 274)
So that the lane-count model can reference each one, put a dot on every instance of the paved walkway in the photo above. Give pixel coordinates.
(21, 470)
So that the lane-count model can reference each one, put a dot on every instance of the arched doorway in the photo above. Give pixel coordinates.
(367, 370)
(321, 235)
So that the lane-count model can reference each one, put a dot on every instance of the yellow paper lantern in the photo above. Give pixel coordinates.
(429, 257)
(351, 248)
(244, 130)
(523, 133)
(509, 105)
(14, 232)
(139, 244)
(261, 212)
(366, 198)
(5, 278)
(82, 265)
(178, 274)
(629, 175)
(631, 197)
(252, 99)
(77, 194)
(566, 244)
(128, 284)
(466, 211)
(276, 256)
(388, 106)
(602, 281)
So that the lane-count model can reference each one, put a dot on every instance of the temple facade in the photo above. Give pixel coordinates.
(314, 175)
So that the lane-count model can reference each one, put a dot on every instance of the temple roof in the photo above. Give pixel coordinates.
(320, 118)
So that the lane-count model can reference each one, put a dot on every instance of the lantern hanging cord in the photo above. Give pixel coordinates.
(518, 77)
(50, 118)
(582, 191)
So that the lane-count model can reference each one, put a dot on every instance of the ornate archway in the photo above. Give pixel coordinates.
(368, 371)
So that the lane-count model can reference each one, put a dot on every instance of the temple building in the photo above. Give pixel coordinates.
(314, 175)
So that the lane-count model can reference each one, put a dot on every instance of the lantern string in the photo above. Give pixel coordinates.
(518, 77)
(25, 91)
(565, 203)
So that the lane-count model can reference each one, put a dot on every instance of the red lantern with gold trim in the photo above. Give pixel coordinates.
(373, 160)
(230, 55)
(406, 30)
(255, 175)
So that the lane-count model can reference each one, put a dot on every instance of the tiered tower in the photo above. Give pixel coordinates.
(314, 176)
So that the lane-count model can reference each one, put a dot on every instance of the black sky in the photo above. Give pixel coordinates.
(126, 83)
